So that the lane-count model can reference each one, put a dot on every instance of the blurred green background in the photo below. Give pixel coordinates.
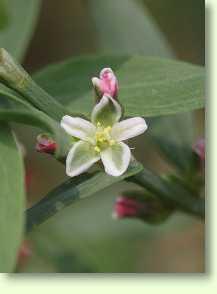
(84, 237)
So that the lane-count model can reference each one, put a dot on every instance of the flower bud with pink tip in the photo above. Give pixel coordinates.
(106, 84)
(127, 207)
(24, 253)
(45, 144)
(134, 204)
(199, 149)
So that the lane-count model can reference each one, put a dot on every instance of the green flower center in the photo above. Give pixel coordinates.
(103, 138)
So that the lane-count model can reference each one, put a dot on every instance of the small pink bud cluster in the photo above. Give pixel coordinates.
(106, 84)
(45, 144)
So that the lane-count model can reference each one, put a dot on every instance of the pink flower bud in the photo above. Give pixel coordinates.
(45, 144)
(128, 207)
(24, 253)
(138, 205)
(106, 84)
(199, 148)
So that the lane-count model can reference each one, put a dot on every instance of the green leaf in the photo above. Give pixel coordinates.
(3, 15)
(148, 86)
(180, 128)
(113, 32)
(22, 17)
(11, 200)
(72, 190)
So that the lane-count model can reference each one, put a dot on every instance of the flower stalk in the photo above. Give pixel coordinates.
(45, 144)
(170, 193)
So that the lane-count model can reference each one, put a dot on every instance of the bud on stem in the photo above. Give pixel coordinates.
(45, 144)
(199, 149)
(24, 253)
(106, 84)
(134, 204)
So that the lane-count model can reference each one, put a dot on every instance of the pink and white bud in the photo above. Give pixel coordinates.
(106, 84)
(199, 149)
(45, 144)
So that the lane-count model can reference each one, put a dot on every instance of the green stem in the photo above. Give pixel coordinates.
(15, 77)
(72, 190)
(170, 192)
(56, 200)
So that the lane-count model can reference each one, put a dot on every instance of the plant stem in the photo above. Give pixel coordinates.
(170, 192)
(72, 190)
(15, 77)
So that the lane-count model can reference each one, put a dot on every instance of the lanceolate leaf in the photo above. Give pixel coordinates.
(148, 86)
(11, 199)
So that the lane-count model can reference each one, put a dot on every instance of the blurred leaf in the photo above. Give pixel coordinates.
(148, 86)
(182, 157)
(11, 199)
(3, 15)
(72, 190)
(87, 230)
(70, 263)
(183, 24)
(22, 17)
(178, 128)
(125, 26)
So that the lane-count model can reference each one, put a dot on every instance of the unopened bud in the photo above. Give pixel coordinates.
(24, 253)
(127, 207)
(106, 84)
(148, 209)
(45, 144)
(199, 149)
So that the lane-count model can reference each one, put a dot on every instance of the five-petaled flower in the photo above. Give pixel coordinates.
(101, 138)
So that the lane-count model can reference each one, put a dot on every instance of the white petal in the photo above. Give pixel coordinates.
(116, 159)
(105, 70)
(80, 158)
(106, 112)
(96, 82)
(79, 128)
(128, 128)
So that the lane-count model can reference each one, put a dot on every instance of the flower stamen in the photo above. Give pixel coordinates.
(103, 138)
(97, 149)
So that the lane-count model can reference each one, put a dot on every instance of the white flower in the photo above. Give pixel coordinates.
(101, 138)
